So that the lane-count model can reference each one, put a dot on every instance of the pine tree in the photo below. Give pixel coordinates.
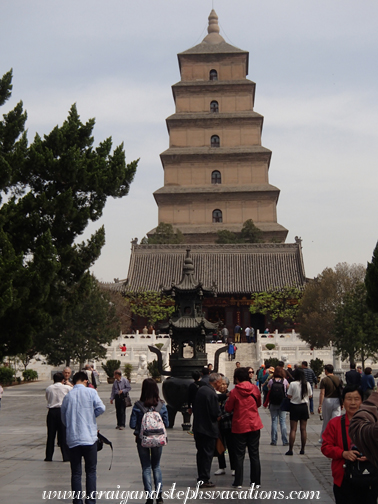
(54, 189)
(371, 282)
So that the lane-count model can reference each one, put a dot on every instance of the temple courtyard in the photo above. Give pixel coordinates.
(26, 478)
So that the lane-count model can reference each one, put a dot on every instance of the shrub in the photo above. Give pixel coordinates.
(111, 366)
(6, 375)
(127, 370)
(270, 346)
(30, 375)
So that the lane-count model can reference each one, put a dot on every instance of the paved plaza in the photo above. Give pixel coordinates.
(24, 476)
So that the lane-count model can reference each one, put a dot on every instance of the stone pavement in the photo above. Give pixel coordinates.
(24, 476)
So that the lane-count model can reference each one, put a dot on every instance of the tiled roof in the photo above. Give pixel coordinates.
(236, 269)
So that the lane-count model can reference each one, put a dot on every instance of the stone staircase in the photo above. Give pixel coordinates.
(245, 354)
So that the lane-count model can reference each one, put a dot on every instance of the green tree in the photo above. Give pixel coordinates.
(225, 236)
(165, 234)
(54, 188)
(248, 234)
(321, 298)
(355, 332)
(371, 282)
(279, 305)
(86, 323)
(150, 305)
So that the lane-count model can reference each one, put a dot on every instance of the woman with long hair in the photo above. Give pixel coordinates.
(299, 393)
(149, 457)
(278, 387)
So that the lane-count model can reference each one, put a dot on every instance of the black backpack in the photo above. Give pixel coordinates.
(277, 392)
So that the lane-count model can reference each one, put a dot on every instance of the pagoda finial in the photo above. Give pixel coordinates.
(213, 23)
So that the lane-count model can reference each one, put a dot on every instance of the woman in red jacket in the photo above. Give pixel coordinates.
(244, 401)
(333, 447)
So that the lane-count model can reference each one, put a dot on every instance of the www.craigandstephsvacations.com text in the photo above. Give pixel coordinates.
(254, 492)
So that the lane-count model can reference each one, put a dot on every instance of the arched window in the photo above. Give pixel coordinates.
(213, 75)
(217, 216)
(216, 177)
(214, 106)
(215, 141)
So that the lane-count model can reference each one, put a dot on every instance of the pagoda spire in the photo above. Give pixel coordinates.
(213, 23)
(213, 36)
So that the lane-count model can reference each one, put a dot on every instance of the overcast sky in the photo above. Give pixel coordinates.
(315, 65)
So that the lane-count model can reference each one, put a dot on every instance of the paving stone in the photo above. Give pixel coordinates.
(24, 475)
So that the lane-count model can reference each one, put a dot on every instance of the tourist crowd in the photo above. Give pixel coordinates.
(226, 420)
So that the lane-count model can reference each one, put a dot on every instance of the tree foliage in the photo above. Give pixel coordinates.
(321, 298)
(355, 332)
(86, 323)
(371, 282)
(150, 305)
(165, 234)
(279, 305)
(248, 234)
(53, 189)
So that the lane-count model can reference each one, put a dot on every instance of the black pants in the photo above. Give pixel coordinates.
(120, 410)
(89, 453)
(251, 440)
(228, 442)
(205, 452)
(55, 426)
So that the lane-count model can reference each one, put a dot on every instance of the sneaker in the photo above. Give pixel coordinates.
(232, 473)
(320, 441)
(273, 444)
(237, 486)
(159, 499)
(286, 444)
(220, 471)
(121, 428)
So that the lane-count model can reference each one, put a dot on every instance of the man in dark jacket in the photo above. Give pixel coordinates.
(205, 427)
(353, 377)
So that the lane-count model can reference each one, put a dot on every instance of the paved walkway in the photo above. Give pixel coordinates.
(24, 476)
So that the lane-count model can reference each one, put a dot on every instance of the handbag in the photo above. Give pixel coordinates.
(101, 440)
(286, 404)
(128, 402)
(357, 473)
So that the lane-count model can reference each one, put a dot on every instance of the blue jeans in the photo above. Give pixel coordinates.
(276, 413)
(150, 459)
(89, 452)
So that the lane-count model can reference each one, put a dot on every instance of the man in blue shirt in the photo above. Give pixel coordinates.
(79, 410)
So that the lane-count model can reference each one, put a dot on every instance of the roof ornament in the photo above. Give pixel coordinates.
(213, 23)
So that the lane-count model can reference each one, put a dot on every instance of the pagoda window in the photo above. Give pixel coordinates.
(215, 141)
(214, 106)
(213, 75)
(217, 216)
(216, 177)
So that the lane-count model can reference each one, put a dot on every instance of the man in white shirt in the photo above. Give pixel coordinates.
(54, 396)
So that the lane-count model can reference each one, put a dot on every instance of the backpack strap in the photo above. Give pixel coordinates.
(343, 433)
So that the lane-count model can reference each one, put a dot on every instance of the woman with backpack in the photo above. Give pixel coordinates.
(299, 394)
(278, 386)
(150, 411)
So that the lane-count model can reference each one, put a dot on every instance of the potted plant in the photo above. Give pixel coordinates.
(154, 370)
(109, 368)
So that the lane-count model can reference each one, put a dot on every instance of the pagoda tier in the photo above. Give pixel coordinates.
(215, 169)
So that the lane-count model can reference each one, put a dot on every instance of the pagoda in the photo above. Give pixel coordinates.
(216, 172)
